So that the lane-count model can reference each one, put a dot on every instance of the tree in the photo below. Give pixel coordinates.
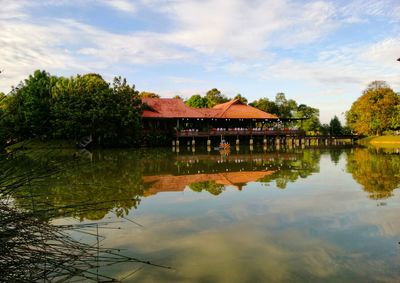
(87, 105)
(376, 111)
(241, 98)
(28, 106)
(197, 101)
(311, 114)
(286, 108)
(266, 105)
(335, 126)
(215, 97)
(178, 97)
(146, 94)
(325, 129)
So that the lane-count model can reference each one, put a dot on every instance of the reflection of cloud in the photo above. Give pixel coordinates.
(257, 249)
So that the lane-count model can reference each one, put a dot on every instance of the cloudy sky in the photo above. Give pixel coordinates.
(321, 53)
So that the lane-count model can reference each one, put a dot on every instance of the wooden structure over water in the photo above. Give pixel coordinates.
(231, 120)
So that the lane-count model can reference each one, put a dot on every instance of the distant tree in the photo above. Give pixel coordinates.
(376, 111)
(286, 108)
(325, 129)
(146, 94)
(311, 114)
(335, 126)
(214, 97)
(266, 105)
(178, 97)
(241, 98)
(197, 101)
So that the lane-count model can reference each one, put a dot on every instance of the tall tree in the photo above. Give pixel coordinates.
(335, 126)
(214, 97)
(286, 108)
(375, 111)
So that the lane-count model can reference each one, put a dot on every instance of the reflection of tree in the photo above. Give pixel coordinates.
(377, 173)
(111, 181)
(335, 155)
(290, 170)
(210, 186)
(33, 249)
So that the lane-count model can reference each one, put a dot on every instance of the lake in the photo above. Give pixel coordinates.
(289, 215)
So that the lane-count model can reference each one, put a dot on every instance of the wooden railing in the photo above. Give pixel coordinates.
(245, 132)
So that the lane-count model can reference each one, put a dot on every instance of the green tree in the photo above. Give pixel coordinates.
(241, 98)
(286, 108)
(28, 106)
(325, 129)
(376, 111)
(214, 97)
(266, 105)
(335, 126)
(311, 114)
(197, 101)
(87, 105)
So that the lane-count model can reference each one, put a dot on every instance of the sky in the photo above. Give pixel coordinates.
(319, 53)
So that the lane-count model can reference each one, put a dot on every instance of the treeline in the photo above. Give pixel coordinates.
(49, 107)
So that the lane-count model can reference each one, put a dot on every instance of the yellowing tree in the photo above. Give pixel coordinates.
(376, 111)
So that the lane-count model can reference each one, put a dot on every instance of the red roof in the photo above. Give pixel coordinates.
(176, 108)
(236, 109)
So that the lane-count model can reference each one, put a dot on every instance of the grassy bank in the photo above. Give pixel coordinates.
(381, 140)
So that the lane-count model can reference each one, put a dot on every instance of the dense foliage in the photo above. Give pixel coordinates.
(46, 107)
(212, 98)
(289, 108)
(376, 111)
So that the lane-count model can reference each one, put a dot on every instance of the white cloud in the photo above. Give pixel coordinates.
(121, 5)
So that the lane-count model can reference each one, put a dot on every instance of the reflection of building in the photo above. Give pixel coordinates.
(233, 118)
(172, 183)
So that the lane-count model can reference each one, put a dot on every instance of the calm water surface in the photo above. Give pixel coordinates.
(312, 215)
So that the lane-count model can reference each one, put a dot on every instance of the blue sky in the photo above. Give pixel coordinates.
(321, 53)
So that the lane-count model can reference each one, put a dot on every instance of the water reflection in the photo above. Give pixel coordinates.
(376, 169)
(91, 185)
(250, 216)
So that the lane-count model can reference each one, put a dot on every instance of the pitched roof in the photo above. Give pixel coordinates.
(176, 108)
(169, 108)
(236, 109)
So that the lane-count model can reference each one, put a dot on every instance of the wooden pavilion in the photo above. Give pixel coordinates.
(234, 118)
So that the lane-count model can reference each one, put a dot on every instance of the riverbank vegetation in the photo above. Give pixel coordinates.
(48, 107)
